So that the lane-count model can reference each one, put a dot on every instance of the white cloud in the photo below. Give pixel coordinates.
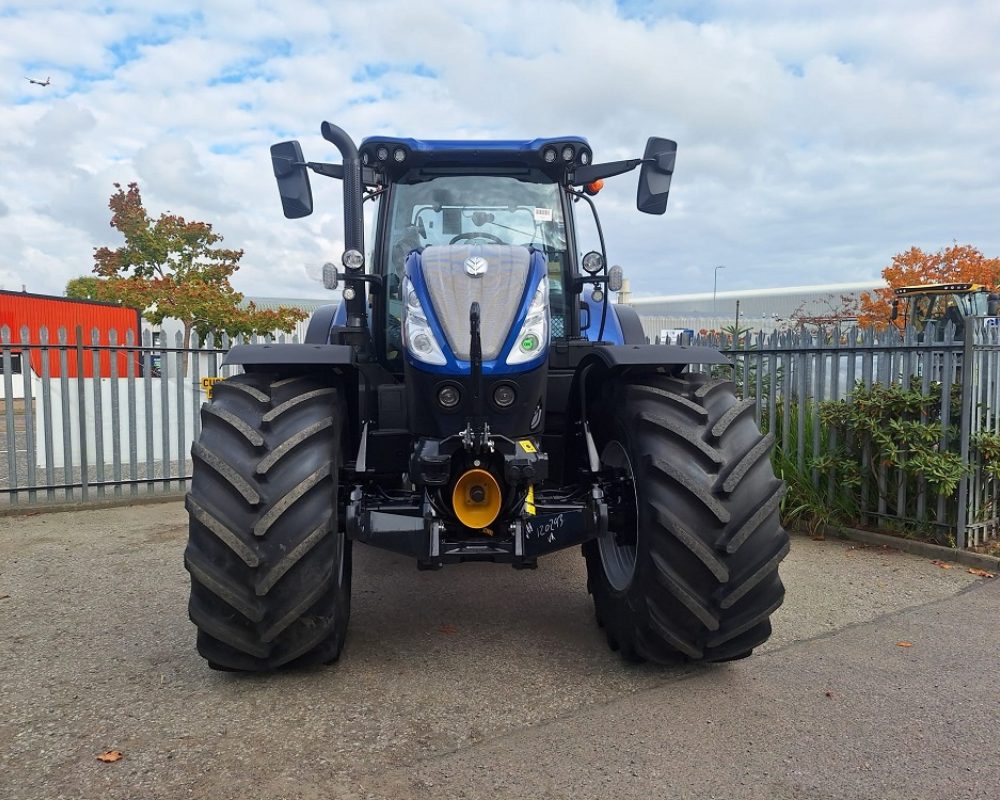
(812, 141)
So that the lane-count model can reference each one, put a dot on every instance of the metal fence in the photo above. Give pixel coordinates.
(789, 374)
(85, 421)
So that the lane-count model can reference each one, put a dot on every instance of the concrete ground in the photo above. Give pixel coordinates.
(480, 681)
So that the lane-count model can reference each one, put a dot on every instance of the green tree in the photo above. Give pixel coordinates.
(86, 287)
(169, 267)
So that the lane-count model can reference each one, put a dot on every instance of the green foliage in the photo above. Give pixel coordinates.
(899, 429)
(987, 445)
(817, 487)
(85, 287)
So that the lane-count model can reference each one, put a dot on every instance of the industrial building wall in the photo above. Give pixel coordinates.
(45, 316)
(759, 309)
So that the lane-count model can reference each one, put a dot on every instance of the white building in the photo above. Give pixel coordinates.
(759, 309)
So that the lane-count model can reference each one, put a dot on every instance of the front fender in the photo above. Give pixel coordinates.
(283, 354)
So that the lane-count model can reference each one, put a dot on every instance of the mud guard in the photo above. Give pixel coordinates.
(595, 366)
(289, 354)
(320, 324)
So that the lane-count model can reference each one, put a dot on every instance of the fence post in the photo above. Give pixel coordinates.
(67, 414)
(114, 354)
(133, 448)
(968, 409)
(49, 448)
(8, 393)
(97, 396)
(81, 405)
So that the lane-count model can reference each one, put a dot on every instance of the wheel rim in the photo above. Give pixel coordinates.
(618, 545)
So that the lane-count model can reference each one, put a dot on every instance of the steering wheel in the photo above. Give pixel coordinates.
(476, 235)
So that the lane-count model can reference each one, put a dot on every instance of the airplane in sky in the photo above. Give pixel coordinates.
(46, 82)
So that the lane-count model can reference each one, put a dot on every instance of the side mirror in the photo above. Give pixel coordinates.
(293, 179)
(894, 313)
(616, 278)
(654, 177)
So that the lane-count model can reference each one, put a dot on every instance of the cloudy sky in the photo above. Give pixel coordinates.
(814, 139)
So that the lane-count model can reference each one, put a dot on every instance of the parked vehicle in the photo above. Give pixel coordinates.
(475, 397)
(943, 304)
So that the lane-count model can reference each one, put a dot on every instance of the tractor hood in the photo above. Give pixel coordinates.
(509, 284)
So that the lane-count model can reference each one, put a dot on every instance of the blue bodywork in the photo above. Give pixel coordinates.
(398, 157)
(612, 327)
(497, 366)
(488, 148)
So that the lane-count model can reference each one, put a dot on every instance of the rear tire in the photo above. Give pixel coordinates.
(270, 571)
(701, 525)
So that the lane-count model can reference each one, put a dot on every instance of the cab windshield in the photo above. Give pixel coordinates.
(473, 209)
(948, 306)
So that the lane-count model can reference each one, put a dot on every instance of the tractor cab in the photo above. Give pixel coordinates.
(943, 304)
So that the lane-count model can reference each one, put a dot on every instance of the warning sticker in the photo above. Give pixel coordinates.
(543, 215)
(527, 445)
(208, 383)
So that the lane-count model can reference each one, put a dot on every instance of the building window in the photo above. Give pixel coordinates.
(15, 363)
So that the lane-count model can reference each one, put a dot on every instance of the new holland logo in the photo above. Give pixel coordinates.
(476, 266)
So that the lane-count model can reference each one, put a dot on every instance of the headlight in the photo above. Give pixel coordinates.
(533, 337)
(593, 262)
(418, 338)
(353, 259)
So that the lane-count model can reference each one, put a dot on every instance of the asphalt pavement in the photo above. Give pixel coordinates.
(881, 681)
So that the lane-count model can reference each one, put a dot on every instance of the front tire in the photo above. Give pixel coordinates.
(270, 571)
(689, 568)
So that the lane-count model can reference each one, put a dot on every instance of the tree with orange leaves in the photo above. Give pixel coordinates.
(959, 263)
(170, 267)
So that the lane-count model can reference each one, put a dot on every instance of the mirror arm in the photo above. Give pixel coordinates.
(337, 171)
(596, 172)
(321, 168)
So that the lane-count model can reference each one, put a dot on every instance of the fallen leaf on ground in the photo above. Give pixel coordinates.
(448, 629)
(982, 573)
(942, 564)
(904, 644)
(110, 756)
(4, 597)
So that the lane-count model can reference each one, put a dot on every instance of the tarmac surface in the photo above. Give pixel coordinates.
(881, 681)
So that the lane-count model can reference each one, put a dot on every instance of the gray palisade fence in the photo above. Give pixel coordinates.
(65, 437)
(90, 421)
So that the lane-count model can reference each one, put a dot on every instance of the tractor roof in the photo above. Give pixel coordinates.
(552, 156)
(940, 288)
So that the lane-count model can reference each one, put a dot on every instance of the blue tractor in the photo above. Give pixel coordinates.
(475, 397)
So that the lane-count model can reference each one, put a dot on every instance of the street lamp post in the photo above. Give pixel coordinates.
(715, 288)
